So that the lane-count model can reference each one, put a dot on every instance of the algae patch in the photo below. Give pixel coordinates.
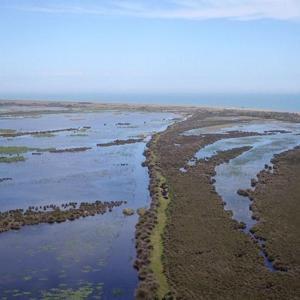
(12, 159)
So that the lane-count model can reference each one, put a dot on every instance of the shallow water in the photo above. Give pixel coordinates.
(90, 257)
(238, 172)
(259, 126)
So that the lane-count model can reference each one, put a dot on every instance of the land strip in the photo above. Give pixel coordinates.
(276, 203)
(36, 133)
(120, 142)
(16, 219)
(205, 255)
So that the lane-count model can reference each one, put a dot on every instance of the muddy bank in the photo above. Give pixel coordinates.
(276, 205)
(205, 254)
(120, 142)
(16, 219)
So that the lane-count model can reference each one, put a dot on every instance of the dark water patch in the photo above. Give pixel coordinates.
(5, 179)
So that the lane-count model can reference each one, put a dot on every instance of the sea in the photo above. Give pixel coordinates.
(270, 101)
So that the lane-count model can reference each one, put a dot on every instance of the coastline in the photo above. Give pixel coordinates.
(75, 106)
(173, 244)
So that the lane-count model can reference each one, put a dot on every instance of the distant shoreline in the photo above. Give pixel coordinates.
(127, 105)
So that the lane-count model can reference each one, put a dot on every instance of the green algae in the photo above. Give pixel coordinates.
(12, 150)
(27, 278)
(11, 159)
(81, 293)
(44, 135)
(117, 292)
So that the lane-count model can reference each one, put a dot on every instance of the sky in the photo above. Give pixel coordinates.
(159, 46)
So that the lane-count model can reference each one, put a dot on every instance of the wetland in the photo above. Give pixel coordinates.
(72, 193)
(148, 202)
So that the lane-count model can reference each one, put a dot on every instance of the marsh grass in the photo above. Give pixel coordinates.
(7, 131)
(15, 150)
(12, 159)
(156, 259)
(44, 135)
(157, 243)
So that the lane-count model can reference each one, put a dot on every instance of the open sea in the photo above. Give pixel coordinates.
(276, 102)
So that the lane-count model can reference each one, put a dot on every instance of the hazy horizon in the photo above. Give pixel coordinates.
(276, 102)
(140, 47)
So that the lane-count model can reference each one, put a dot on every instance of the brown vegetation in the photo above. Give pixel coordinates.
(120, 142)
(206, 256)
(15, 219)
(276, 204)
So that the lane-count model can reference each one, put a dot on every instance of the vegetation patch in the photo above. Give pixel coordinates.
(149, 233)
(70, 150)
(12, 150)
(16, 219)
(120, 142)
(73, 294)
(205, 254)
(44, 135)
(276, 206)
(78, 134)
(11, 159)
(156, 258)
(118, 292)
(7, 131)
(33, 133)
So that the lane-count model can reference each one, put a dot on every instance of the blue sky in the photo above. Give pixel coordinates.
(177, 46)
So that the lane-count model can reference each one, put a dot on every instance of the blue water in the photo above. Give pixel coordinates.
(277, 102)
(90, 256)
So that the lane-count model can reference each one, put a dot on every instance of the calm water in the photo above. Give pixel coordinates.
(277, 102)
(238, 172)
(92, 257)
